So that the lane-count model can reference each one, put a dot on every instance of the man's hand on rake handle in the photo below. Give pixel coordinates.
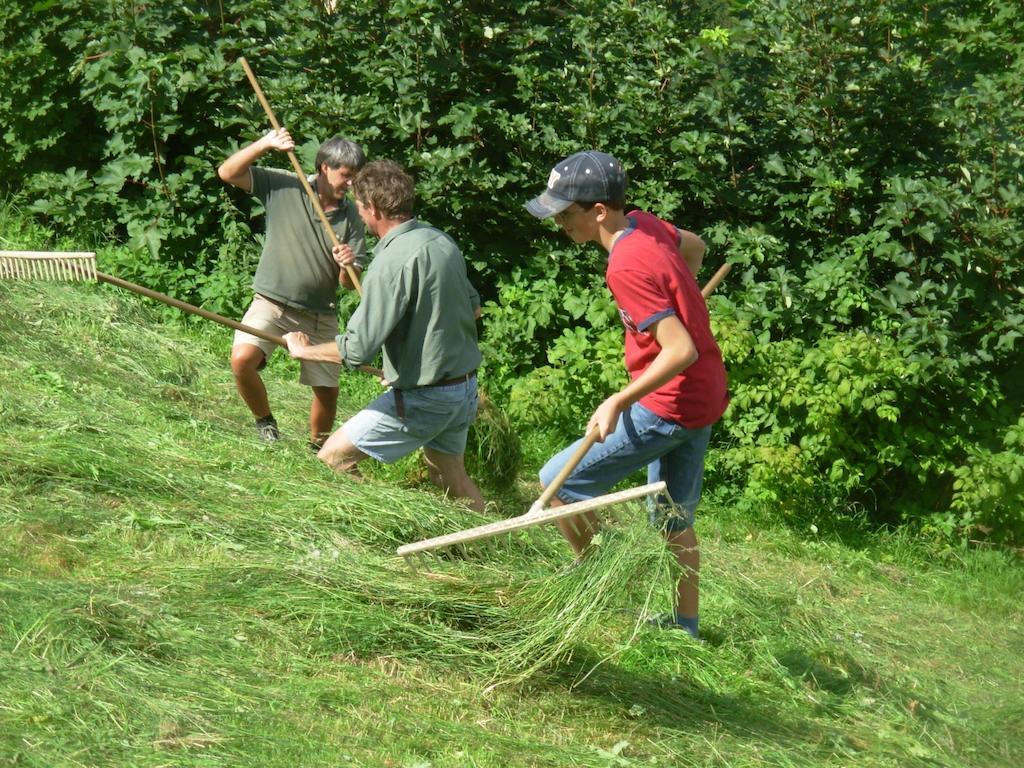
(279, 139)
(343, 255)
(300, 348)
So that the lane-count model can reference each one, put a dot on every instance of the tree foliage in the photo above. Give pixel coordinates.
(860, 165)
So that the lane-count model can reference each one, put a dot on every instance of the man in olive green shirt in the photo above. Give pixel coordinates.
(420, 308)
(296, 281)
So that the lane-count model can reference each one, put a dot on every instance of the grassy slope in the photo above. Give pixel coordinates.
(173, 593)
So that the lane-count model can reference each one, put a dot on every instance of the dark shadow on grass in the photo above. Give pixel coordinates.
(837, 673)
(837, 676)
(681, 703)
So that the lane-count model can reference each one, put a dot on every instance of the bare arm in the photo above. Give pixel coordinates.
(300, 348)
(235, 170)
(345, 280)
(678, 352)
(691, 248)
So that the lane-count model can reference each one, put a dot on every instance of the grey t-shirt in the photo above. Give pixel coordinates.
(419, 305)
(296, 267)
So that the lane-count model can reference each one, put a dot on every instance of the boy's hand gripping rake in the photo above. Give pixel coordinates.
(81, 267)
(538, 514)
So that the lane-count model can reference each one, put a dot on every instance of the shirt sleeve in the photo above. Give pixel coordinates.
(385, 301)
(641, 299)
(259, 183)
(356, 236)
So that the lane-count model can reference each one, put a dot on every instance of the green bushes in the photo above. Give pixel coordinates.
(862, 167)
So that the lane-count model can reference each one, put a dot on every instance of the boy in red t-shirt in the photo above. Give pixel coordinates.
(678, 387)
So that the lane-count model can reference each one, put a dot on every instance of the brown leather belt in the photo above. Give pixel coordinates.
(400, 401)
(456, 380)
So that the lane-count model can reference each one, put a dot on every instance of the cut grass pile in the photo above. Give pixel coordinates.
(173, 592)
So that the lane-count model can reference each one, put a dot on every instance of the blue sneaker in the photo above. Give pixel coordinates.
(669, 620)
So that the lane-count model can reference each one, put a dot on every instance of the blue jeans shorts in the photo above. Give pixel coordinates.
(670, 452)
(434, 417)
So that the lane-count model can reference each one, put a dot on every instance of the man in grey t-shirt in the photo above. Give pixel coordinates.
(297, 278)
(419, 308)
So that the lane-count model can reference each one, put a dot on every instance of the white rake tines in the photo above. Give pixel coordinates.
(47, 265)
(530, 519)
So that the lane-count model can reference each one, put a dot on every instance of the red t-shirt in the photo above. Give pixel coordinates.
(649, 281)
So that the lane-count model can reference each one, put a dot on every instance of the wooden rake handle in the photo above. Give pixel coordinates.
(191, 309)
(588, 441)
(556, 484)
(204, 313)
(716, 278)
(298, 170)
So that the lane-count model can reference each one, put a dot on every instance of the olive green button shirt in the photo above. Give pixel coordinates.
(419, 305)
(296, 267)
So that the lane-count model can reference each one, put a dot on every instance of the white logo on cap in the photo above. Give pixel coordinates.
(553, 178)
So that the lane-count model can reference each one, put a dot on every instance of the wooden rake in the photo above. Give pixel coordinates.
(538, 514)
(81, 267)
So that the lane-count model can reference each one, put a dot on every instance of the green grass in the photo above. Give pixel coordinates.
(174, 593)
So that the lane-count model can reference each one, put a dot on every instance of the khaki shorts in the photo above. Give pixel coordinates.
(269, 316)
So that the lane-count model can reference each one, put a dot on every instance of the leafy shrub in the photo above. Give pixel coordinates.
(988, 493)
(860, 166)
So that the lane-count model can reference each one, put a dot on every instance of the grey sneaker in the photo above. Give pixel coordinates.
(267, 429)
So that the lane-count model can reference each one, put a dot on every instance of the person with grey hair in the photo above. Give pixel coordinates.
(297, 278)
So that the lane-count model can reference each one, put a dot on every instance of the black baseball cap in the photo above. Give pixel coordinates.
(586, 177)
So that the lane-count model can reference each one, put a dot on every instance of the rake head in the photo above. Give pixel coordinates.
(47, 265)
(530, 519)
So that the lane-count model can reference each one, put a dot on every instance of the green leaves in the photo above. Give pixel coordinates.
(862, 168)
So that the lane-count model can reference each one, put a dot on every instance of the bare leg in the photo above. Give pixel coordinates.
(245, 362)
(578, 531)
(448, 472)
(684, 546)
(433, 472)
(321, 413)
(340, 455)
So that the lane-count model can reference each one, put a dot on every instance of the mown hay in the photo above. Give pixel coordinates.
(493, 450)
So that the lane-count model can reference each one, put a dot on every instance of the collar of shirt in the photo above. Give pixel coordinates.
(630, 228)
(394, 232)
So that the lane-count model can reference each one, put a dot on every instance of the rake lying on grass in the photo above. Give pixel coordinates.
(537, 514)
(81, 267)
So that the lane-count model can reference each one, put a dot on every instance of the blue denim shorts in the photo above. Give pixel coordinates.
(434, 417)
(670, 452)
